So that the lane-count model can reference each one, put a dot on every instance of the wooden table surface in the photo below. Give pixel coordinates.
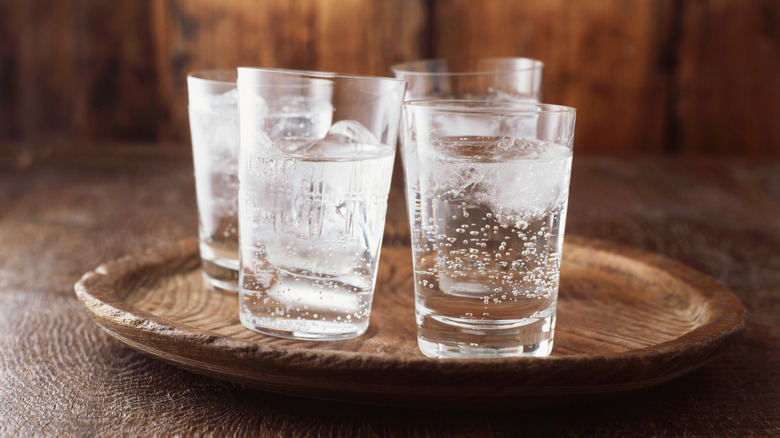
(61, 375)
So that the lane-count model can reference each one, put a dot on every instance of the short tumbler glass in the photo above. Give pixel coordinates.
(483, 78)
(213, 113)
(315, 165)
(490, 183)
(500, 79)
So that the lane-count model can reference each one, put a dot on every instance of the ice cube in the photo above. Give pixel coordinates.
(352, 132)
(517, 179)
(215, 141)
(323, 214)
(530, 184)
(227, 101)
(520, 120)
(525, 148)
(224, 102)
(346, 139)
(298, 117)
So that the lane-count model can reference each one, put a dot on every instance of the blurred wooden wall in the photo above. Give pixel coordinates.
(666, 76)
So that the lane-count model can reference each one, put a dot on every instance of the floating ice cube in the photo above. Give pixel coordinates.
(517, 179)
(325, 214)
(529, 183)
(351, 132)
(227, 101)
(529, 191)
(298, 117)
(287, 124)
(215, 141)
(520, 120)
(346, 139)
(526, 126)
(524, 148)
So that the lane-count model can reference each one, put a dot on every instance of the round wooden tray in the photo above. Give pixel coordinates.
(626, 320)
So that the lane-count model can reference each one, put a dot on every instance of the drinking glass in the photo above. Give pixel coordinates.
(473, 78)
(491, 183)
(316, 160)
(213, 113)
(486, 78)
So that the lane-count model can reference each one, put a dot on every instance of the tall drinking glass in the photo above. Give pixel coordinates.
(213, 112)
(316, 160)
(491, 180)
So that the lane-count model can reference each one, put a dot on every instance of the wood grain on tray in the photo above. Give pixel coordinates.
(626, 320)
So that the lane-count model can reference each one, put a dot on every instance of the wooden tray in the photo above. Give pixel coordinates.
(626, 320)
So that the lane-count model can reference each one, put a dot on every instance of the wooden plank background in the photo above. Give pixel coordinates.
(669, 76)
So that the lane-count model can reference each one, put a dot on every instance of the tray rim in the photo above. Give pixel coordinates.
(110, 311)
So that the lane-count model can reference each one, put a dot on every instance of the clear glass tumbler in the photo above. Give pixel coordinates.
(213, 112)
(474, 78)
(498, 79)
(316, 161)
(491, 180)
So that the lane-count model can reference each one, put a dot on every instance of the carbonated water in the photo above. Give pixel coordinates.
(309, 255)
(214, 127)
(487, 244)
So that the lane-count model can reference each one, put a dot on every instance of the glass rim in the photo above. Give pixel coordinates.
(466, 106)
(404, 67)
(319, 74)
(216, 75)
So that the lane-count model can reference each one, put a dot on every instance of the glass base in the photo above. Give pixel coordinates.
(471, 351)
(444, 337)
(219, 278)
(302, 329)
(217, 285)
